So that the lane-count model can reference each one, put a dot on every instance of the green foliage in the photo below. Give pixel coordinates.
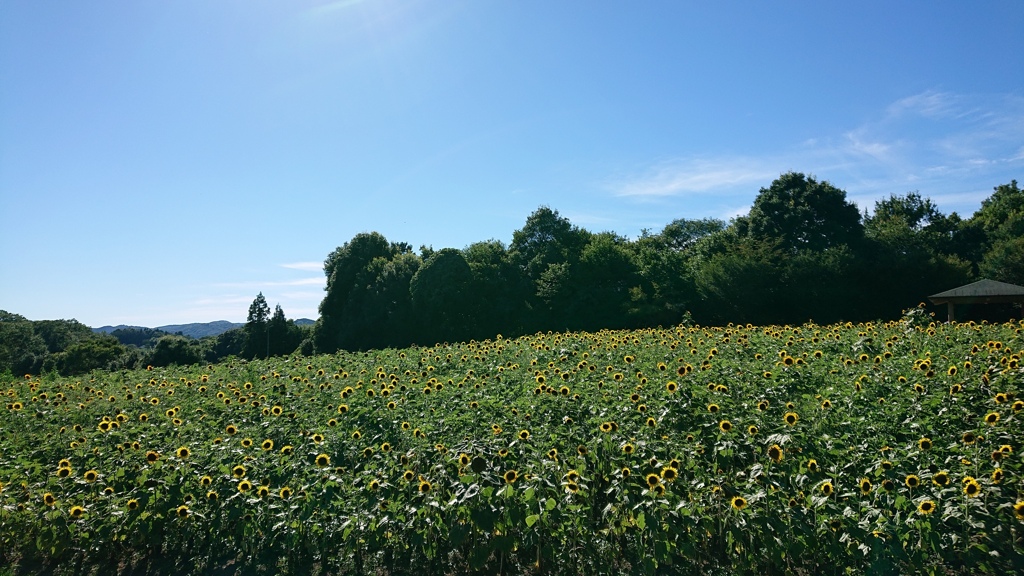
(21, 350)
(440, 290)
(257, 334)
(804, 214)
(176, 350)
(97, 352)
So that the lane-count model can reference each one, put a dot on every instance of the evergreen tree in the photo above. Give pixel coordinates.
(257, 328)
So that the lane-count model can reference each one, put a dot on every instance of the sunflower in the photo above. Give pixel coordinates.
(825, 404)
(739, 503)
(888, 485)
(812, 465)
(725, 426)
(941, 478)
(182, 511)
(827, 488)
(968, 438)
(653, 480)
(997, 475)
(752, 430)
(1018, 405)
(659, 490)
(510, 476)
(524, 434)
(572, 487)
(152, 456)
(606, 427)
(669, 473)
(238, 471)
(972, 488)
(651, 423)
(865, 486)
(671, 386)
(775, 453)
(244, 486)
(323, 460)
(553, 454)
(49, 499)
(763, 405)
(713, 408)
(132, 504)
(205, 481)
(924, 443)
(424, 486)
(991, 418)
(1018, 510)
(76, 511)
(263, 491)
(231, 429)
(791, 418)
(912, 481)
(246, 442)
(183, 452)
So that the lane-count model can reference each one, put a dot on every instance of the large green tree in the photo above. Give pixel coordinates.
(803, 214)
(342, 267)
(440, 292)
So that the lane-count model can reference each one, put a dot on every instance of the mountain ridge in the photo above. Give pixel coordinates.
(192, 330)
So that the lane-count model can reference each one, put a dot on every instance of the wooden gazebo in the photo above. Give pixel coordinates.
(980, 292)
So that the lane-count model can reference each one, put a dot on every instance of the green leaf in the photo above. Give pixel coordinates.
(532, 519)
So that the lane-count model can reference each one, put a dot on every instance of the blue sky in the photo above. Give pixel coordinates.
(163, 162)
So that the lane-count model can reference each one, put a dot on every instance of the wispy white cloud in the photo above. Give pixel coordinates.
(693, 176)
(953, 147)
(318, 281)
(307, 266)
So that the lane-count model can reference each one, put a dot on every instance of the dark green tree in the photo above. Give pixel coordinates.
(379, 312)
(97, 352)
(229, 343)
(440, 291)
(257, 328)
(61, 334)
(909, 254)
(803, 214)
(342, 267)
(178, 350)
(499, 291)
(21, 350)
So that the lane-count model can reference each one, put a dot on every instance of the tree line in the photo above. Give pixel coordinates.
(69, 347)
(803, 252)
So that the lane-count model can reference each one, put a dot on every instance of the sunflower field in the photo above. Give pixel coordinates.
(849, 448)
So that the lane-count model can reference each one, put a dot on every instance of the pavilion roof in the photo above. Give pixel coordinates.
(981, 291)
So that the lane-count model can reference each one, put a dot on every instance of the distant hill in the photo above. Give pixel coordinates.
(195, 330)
(199, 330)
